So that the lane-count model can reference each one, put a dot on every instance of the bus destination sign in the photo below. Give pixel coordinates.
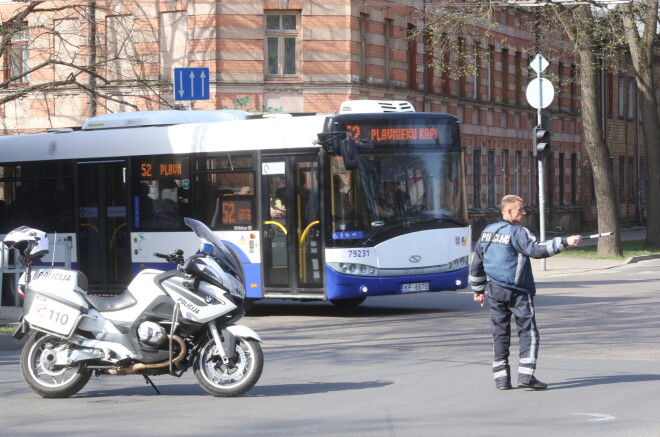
(148, 169)
(408, 134)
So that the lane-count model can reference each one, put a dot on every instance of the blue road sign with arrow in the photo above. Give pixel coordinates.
(191, 84)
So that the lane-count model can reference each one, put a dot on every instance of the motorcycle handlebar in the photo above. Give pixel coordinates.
(174, 257)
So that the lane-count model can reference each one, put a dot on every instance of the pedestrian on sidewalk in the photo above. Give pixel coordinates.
(501, 273)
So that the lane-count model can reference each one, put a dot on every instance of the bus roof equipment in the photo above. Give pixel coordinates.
(364, 106)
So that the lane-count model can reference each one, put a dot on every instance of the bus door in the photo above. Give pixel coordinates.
(291, 228)
(103, 235)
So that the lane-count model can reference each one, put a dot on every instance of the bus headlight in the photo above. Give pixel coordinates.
(458, 263)
(354, 269)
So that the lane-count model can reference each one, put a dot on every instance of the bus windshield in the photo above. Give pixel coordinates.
(395, 192)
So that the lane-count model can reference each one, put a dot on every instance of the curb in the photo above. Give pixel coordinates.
(635, 259)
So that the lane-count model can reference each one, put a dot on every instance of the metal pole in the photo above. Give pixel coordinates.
(540, 170)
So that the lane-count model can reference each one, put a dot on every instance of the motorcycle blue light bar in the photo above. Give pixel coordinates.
(207, 248)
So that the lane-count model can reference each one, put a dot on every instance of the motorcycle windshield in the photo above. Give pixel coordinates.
(220, 251)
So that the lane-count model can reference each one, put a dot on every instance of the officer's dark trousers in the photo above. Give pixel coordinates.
(503, 303)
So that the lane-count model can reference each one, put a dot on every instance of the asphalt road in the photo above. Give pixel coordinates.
(415, 365)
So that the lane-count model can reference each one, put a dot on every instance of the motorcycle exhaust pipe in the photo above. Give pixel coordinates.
(138, 368)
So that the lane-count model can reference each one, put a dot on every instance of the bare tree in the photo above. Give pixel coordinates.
(595, 42)
(640, 21)
(66, 52)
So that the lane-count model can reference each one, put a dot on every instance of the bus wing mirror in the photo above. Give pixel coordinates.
(349, 152)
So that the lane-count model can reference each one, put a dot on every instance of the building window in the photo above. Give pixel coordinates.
(429, 73)
(462, 64)
(631, 98)
(363, 48)
(609, 95)
(476, 59)
(622, 96)
(549, 182)
(562, 181)
(518, 169)
(574, 179)
(387, 47)
(491, 179)
(281, 44)
(622, 179)
(505, 75)
(412, 57)
(561, 84)
(446, 73)
(631, 180)
(574, 90)
(505, 172)
(121, 51)
(476, 181)
(173, 39)
(642, 182)
(491, 73)
(517, 77)
(18, 58)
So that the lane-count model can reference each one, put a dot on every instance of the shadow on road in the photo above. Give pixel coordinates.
(312, 388)
(323, 309)
(603, 380)
(122, 395)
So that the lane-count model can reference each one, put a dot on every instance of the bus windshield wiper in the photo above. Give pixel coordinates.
(400, 222)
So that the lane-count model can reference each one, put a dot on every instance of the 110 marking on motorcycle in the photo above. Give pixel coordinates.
(54, 316)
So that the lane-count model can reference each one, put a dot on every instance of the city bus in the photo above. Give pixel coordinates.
(366, 202)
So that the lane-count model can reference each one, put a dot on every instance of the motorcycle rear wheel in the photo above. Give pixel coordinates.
(242, 373)
(45, 379)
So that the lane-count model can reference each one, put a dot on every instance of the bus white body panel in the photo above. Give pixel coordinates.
(144, 244)
(264, 134)
(418, 250)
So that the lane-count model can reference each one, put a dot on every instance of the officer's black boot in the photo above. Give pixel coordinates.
(503, 382)
(533, 383)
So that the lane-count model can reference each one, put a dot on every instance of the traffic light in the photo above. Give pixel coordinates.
(541, 142)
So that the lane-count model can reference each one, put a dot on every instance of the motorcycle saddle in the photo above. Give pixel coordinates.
(113, 303)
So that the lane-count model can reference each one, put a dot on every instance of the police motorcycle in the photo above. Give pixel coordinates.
(164, 323)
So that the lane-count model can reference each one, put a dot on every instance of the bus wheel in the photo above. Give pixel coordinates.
(348, 303)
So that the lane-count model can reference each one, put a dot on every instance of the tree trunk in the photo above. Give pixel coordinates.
(608, 220)
(641, 53)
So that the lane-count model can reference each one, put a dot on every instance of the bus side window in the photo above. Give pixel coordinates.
(160, 196)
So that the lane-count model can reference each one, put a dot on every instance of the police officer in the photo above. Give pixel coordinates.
(501, 266)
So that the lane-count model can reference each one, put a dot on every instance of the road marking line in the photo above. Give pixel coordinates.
(598, 417)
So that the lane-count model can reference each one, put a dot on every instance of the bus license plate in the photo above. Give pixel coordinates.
(415, 287)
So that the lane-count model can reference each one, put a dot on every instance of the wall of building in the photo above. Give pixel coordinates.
(344, 50)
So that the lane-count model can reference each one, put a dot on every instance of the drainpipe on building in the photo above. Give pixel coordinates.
(91, 43)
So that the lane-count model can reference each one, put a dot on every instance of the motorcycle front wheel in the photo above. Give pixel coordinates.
(238, 376)
(43, 376)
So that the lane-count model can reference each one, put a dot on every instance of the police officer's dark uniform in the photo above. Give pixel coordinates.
(501, 266)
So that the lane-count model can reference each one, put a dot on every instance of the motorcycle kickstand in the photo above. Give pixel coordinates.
(149, 381)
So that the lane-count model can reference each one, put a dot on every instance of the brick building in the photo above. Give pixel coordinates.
(309, 56)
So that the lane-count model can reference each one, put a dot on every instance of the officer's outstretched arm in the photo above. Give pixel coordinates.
(525, 242)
